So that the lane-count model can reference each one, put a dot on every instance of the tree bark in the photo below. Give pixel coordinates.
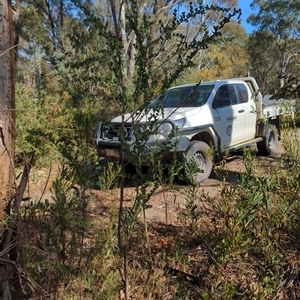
(7, 105)
(7, 136)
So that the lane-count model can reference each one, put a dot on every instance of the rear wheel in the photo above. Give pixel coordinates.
(269, 143)
(197, 161)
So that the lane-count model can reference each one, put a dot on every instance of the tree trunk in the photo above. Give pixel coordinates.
(7, 136)
(7, 105)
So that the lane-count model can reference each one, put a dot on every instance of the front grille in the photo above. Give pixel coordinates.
(115, 131)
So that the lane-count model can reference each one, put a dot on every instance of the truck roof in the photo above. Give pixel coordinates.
(219, 82)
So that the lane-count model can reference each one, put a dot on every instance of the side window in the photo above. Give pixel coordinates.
(226, 92)
(242, 93)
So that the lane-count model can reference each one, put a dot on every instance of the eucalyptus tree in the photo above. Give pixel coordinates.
(154, 11)
(7, 105)
(44, 21)
(281, 18)
(261, 47)
(226, 58)
(208, 20)
(213, 11)
(10, 197)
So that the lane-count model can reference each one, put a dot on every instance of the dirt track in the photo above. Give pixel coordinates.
(162, 205)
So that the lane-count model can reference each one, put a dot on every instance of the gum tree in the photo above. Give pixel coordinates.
(6, 104)
(282, 20)
(10, 195)
(7, 136)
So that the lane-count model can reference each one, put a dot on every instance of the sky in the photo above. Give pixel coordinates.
(246, 11)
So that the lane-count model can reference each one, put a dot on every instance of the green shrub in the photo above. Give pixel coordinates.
(110, 176)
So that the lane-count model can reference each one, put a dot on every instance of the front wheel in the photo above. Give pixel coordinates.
(269, 143)
(197, 161)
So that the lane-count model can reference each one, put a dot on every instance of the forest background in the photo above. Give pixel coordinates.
(79, 62)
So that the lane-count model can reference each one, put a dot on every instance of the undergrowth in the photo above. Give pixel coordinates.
(242, 244)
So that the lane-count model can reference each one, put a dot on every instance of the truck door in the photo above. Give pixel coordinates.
(249, 107)
(229, 115)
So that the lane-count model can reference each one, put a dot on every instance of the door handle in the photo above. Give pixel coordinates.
(241, 111)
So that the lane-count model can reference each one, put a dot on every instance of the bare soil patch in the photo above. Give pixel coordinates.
(163, 204)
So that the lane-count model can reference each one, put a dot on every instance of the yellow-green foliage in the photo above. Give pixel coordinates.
(38, 117)
(110, 176)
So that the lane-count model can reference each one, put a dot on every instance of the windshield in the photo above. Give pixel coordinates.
(186, 96)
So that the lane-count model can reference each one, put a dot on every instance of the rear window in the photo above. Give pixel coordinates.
(242, 93)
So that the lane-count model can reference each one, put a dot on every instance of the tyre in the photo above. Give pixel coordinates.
(269, 143)
(197, 161)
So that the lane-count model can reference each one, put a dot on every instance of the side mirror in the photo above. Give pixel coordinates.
(221, 102)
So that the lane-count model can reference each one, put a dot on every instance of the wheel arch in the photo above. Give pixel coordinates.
(262, 127)
(206, 137)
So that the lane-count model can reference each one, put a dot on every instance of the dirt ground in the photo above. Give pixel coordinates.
(162, 205)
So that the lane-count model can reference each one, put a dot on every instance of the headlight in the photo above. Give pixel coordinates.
(179, 123)
(164, 128)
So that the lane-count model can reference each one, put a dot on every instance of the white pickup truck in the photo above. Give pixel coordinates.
(223, 115)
